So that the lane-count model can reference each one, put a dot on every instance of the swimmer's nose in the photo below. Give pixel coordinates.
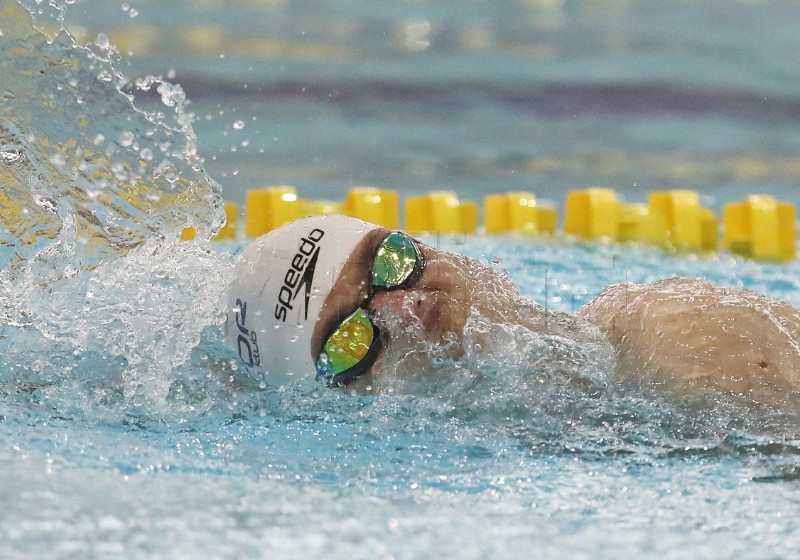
(395, 301)
(406, 304)
(410, 305)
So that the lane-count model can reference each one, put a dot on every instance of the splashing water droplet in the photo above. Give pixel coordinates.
(45, 203)
(119, 171)
(102, 41)
(126, 138)
(10, 156)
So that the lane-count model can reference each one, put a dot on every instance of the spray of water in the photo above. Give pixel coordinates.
(84, 172)
(103, 313)
(98, 298)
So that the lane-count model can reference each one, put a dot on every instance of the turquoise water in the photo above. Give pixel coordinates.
(126, 431)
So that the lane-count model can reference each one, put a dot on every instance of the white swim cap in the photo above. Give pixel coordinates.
(279, 287)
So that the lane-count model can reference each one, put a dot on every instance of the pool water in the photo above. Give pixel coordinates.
(126, 429)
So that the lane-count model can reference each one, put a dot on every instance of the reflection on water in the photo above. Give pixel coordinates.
(479, 96)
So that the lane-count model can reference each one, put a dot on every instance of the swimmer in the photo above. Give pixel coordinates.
(357, 305)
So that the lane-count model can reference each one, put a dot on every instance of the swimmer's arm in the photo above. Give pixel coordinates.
(691, 336)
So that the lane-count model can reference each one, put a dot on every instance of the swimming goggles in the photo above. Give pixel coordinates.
(353, 345)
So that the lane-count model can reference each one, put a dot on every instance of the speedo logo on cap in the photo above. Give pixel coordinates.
(300, 275)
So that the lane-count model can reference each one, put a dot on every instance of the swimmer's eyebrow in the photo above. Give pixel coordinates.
(365, 251)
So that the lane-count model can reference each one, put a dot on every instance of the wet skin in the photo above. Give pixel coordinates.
(684, 334)
(690, 336)
(433, 310)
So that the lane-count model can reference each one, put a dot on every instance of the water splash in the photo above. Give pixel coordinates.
(100, 305)
(79, 160)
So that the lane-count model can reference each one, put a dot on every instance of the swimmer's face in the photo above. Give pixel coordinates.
(424, 318)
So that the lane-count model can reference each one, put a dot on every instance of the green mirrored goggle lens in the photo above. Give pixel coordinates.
(394, 261)
(349, 343)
